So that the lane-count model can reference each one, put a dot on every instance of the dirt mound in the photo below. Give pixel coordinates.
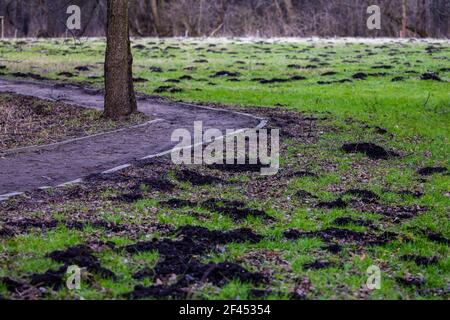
(386, 67)
(131, 197)
(81, 256)
(411, 281)
(329, 73)
(421, 260)
(218, 237)
(396, 213)
(428, 171)
(156, 69)
(436, 237)
(179, 203)
(318, 264)
(238, 168)
(360, 76)
(234, 209)
(158, 183)
(336, 204)
(430, 76)
(195, 272)
(365, 195)
(180, 259)
(50, 279)
(369, 149)
(82, 68)
(168, 89)
(221, 74)
(196, 178)
(333, 235)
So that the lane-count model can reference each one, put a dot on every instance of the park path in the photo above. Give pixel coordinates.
(53, 165)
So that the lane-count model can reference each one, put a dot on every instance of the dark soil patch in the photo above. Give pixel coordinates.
(386, 67)
(318, 265)
(333, 235)
(144, 274)
(28, 75)
(139, 80)
(414, 194)
(172, 81)
(167, 89)
(294, 66)
(186, 77)
(196, 178)
(160, 184)
(82, 68)
(13, 285)
(22, 226)
(273, 80)
(411, 281)
(129, 197)
(66, 74)
(156, 69)
(302, 174)
(396, 213)
(297, 78)
(365, 195)
(336, 204)
(430, 76)
(429, 171)
(179, 203)
(333, 248)
(83, 257)
(397, 79)
(369, 149)
(179, 258)
(303, 195)
(51, 278)
(234, 209)
(421, 260)
(221, 74)
(436, 237)
(194, 273)
(360, 76)
(329, 73)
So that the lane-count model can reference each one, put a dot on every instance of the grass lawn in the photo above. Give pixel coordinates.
(301, 242)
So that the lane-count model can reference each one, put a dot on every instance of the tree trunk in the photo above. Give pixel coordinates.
(404, 20)
(120, 100)
(290, 11)
(156, 17)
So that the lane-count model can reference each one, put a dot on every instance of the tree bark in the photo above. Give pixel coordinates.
(290, 11)
(120, 100)
(156, 17)
(404, 20)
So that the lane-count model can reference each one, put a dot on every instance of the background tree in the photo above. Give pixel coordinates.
(120, 99)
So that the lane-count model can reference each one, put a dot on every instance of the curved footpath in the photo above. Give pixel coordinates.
(57, 164)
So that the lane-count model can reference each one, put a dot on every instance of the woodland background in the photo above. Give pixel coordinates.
(264, 18)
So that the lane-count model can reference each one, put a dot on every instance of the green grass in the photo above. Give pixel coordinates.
(414, 112)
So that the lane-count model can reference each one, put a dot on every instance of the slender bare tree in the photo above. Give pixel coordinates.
(120, 99)
(404, 19)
